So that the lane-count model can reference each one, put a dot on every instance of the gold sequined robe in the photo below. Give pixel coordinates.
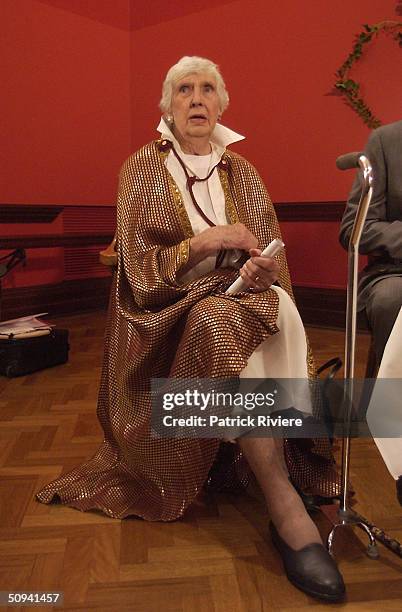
(158, 327)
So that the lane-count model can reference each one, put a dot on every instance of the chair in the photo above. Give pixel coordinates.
(108, 257)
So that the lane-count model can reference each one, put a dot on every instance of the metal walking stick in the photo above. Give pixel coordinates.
(342, 515)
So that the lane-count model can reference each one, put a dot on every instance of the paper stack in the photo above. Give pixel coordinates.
(24, 327)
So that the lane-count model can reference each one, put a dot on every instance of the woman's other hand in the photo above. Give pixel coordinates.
(259, 273)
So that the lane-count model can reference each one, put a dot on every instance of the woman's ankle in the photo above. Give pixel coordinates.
(296, 529)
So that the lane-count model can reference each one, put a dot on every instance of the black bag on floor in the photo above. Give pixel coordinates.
(27, 355)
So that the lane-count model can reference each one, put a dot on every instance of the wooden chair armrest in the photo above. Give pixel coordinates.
(108, 257)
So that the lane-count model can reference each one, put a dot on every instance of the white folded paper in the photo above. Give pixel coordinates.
(24, 327)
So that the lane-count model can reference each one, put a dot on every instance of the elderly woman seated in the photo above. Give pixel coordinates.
(192, 216)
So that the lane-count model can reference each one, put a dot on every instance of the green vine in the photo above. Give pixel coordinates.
(349, 88)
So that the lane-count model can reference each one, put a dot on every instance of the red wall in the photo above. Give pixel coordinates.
(65, 99)
(80, 91)
(65, 78)
(278, 60)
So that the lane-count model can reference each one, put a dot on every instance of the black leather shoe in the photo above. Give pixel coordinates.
(399, 490)
(311, 569)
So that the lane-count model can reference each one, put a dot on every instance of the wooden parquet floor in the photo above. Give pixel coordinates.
(217, 558)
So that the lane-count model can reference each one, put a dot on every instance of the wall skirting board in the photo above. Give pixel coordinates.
(64, 298)
(324, 307)
(85, 228)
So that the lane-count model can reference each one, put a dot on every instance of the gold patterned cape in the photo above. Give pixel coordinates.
(160, 328)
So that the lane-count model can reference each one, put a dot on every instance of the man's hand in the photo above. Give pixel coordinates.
(259, 273)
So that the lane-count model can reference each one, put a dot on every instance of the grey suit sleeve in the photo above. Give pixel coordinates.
(378, 232)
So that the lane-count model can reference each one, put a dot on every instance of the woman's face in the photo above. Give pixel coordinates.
(195, 107)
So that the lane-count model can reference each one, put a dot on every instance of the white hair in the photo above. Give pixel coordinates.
(192, 65)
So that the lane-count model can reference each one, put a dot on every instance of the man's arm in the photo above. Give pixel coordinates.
(379, 235)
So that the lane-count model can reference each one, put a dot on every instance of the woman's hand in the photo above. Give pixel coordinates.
(220, 237)
(259, 273)
(236, 236)
(224, 237)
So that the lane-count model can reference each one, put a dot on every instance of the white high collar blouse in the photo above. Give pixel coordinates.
(208, 194)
